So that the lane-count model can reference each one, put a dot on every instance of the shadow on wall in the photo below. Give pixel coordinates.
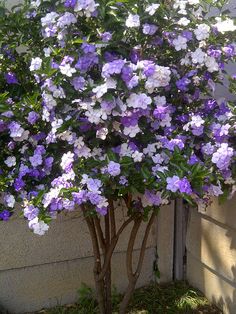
(211, 252)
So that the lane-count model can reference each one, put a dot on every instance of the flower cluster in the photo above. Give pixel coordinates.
(116, 102)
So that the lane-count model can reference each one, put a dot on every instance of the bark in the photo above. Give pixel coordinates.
(133, 277)
(99, 283)
(107, 279)
(105, 242)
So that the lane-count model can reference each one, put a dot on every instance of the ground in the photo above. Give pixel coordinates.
(174, 298)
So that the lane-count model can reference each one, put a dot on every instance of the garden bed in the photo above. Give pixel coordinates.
(171, 298)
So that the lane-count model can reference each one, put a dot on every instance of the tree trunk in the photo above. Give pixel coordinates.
(107, 279)
(105, 242)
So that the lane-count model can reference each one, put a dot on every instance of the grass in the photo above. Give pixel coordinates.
(174, 298)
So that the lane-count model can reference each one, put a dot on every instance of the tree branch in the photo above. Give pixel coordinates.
(112, 247)
(144, 244)
(97, 223)
(129, 253)
(112, 217)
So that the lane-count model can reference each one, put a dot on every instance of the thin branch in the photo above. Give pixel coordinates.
(129, 254)
(144, 244)
(134, 277)
(112, 247)
(113, 219)
(101, 239)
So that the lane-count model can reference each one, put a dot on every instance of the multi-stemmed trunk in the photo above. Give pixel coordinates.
(104, 241)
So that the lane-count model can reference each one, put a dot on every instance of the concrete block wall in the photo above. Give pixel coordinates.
(40, 272)
(211, 253)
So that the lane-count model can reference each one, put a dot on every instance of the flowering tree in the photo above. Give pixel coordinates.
(114, 100)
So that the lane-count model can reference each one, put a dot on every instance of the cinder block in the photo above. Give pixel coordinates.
(33, 288)
(68, 238)
(217, 289)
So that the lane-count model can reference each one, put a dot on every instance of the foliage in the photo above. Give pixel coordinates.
(114, 101)
(103, 101)
(173, 298)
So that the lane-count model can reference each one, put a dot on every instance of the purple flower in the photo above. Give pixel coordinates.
(113, 168)
(160, 112)
(86, 62)
(193, 160)
(107, 36)
(88, 48)
(33, 117)
(68, 204)
(78, 83)
(173, 183)
(80, 197)
(154, 199)
(18, 184)
(123, 180)
(36, 160)
(184, 186)
(149, 29)
(183, 83)
(113, 67)
(11, 78)
(222, 157)
(135, 56)
(102, 211)
(188, 35)
(94, 198)
(5, 215)
(70, 3)
(31, 212)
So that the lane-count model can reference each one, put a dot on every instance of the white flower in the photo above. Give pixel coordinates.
(10, 161)
(49, 101)
(133, 20)
(137, 156)
(215, 190)
(66, 19)
(38, 226)
(36, 64)
(94, 115)
(20, 138)
(10, 200)
(180, 43)
(211, 64)
(197, 121)
(47, 52)
(160, 100)
(131, 131)
(35, 3)
(102, 133)
(49, 19)
(151, 9)
(139, 101)
(186, 60)
(166, 121)
(193, 2)
(202, 31)
(66, 160)
(160, 78)
(198, 56)
(67, 69)
(88, 7)
(183, 21)
(150, 150)
(225, 26)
